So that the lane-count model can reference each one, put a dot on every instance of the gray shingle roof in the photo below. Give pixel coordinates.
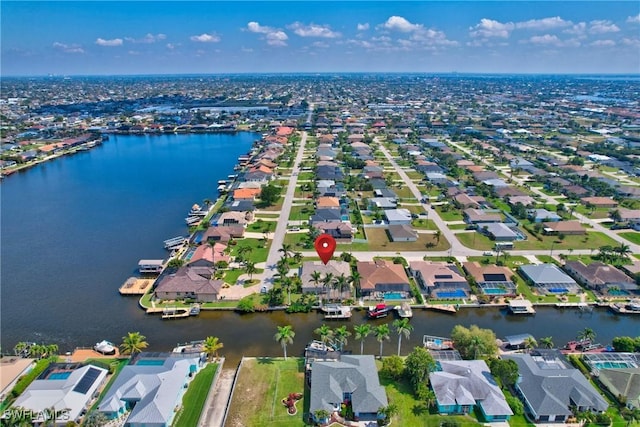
(465, 382)
(352, 374)
(551, 387)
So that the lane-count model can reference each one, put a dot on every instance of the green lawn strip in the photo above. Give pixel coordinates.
(261, 226)
(379, 241)
(194, 399)
(301, 213)
(121, 363)
(276, 207)
(593, 239)
(231, 276)
(259, 250)
(262, 384)
(512, 261)
(402, 191)
(414, 175)
(423, 224)
(306, 176)
(419, 210)
(632, 236)
(297, 240)
(451, 215)
(477, 241)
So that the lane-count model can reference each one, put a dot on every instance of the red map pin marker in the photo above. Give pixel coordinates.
(325, 245)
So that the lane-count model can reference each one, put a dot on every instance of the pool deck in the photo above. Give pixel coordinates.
(82, 354)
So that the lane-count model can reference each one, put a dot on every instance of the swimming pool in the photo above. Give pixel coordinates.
(458, 293)
(605, 365)
(189, 254)
(394, 295)
(495, 291)
(558, 290)
(58, 375)
(150, 362)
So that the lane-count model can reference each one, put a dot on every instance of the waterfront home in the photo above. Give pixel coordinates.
(190, 282)
(479, 216)
(550, 388)
(151, 390)
(4, 164)
(12, 368)
(402, 233)
(619, 373)
(462, 385)
(246, 193)
(334, 268)
(260, 174)
(568, 228)
(207, 255)
(342, 232)
(223, 233)
(548, 278)
(351, 380)
(232, 218)
(543, 215)
(492, 280)
(63, 388)
(240, 205)
(440, 279)
(380, 276)
(603, 278)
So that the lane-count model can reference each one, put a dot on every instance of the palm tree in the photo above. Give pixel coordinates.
(362, 332)
(297, 257)
(250, 268)
(615, 215)
(286, 283)
(133, 342)
(546, 342)
(286, 250)
(530, 343)
(341, 334)
(355, 281)
(51, 350)
(623, 250)
(95, 419)
(437, 235)
(326, 283)
(341, 283)
(211, 346)
(316, 277)
(381, 333)
(476, 345)
(20, 348)
(403, 327)
(587, 334)
(285, 336)
(325, 333)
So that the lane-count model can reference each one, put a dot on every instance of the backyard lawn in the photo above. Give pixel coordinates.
(261, 385)
(379, 241)
(258, 252)
(194, 399)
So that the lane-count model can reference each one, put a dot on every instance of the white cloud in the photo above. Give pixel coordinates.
(134, 52)
(631, 42)
(578, 29)
(172, 46)
(635, 19)
(490, 28)
(147, 39)
(313, 30)
(603, 43)
(74, 48)
(543, 24)
(108, 43)
(546, 39)
(205, 38)
(602, 26)
(319, 44)
(274, 36)
(398, 23)
(363, 27)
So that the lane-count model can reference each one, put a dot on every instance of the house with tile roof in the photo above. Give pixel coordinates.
(379, 276)
(151, 393)
(491, 279)
(439, 278)
(600, 277)
(189, 282)
(462, 385)
(550, 388)
(333, 267)
(352, 379)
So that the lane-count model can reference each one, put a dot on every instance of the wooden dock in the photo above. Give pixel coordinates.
(445, 308)
(136, 286)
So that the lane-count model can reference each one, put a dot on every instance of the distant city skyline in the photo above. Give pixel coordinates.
(109, 38)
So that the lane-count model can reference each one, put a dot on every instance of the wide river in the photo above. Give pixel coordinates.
(73, 230)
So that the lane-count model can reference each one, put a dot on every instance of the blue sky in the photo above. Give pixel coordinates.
(71, 38)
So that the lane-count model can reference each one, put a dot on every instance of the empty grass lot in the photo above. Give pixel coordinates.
(632, 236)
(379, 241)
(194, 398)
(262, 384)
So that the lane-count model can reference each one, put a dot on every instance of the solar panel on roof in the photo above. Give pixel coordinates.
(87, 380)
(443, 276)
(495, 277)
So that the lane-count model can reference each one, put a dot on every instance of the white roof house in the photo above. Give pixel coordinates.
(67, 391)
(154, 391)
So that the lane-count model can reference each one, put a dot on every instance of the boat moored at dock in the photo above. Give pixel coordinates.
(174, 242)
(379, 311)
(336, 312)
(404, 310)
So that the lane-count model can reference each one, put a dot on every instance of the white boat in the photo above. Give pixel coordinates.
(336, 312)
(404, 310)
(105, 347)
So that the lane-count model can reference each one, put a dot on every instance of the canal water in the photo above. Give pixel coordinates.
(73, 229)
